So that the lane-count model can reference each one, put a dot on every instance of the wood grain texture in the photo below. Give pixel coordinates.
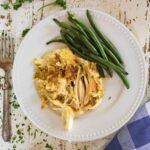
(135, 14)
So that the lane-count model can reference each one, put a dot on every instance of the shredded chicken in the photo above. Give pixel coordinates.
(67, 83)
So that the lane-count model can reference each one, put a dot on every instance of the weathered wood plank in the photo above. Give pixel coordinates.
(133, 13)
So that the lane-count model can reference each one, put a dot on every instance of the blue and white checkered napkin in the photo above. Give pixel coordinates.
(136, 134)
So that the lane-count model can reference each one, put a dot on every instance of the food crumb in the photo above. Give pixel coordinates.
(109, 98)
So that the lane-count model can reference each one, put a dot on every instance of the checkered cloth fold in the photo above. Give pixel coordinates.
(136, 134)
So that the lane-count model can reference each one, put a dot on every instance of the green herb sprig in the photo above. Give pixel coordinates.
(61, 3)
(16, 5)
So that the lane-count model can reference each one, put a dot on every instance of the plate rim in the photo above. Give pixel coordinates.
(119, 124)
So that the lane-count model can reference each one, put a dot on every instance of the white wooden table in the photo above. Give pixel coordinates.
(135, 14)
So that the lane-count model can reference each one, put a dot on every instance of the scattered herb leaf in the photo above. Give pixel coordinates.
(49, 146)
(20, 138)
(25, 31)
(15, 104)
(18, 132)
(16, 5)
(15, 97)
(13, 138)
(61, 3)
(29, 129)
(5, 6)
(109, 98)
(17, 125)
(44, 140)
(14, 146)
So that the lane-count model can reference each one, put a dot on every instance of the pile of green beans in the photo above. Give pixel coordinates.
(91, 44)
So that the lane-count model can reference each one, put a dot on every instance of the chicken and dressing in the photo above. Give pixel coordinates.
(67, 84)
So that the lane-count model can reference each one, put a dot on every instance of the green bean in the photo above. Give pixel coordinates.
(79, 28)
(61, 24)
(112, 56)
(80, 37)
(88, 44)
(71, 33)
(55, 40)
(94, 50)
(65, 25)
(77, 42)
(108, 52)
(103, 37)
(107, 63)
(100, 70)
(93, 37)
(91, 33)
(74, 49)
(124, 79)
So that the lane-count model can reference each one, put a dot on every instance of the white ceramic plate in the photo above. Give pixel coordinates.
(118, 105)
